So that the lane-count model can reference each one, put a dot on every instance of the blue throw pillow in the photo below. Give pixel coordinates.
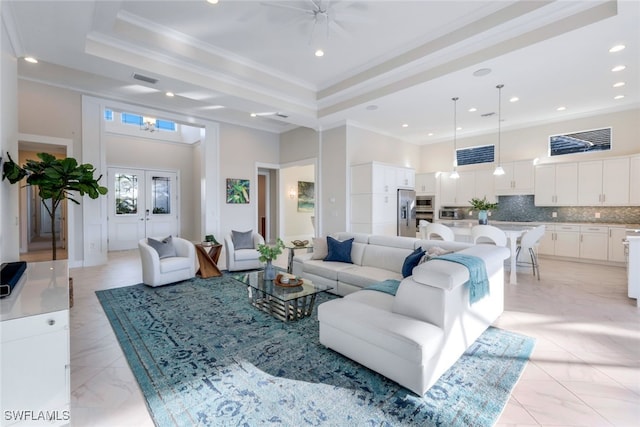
(411, 261)
(339, 251)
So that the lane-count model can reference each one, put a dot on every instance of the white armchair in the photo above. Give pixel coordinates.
(243, 258)
(158, 271)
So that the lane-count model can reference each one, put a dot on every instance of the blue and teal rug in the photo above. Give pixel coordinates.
(204, 357)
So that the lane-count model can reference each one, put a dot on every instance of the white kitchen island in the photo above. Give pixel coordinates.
(513, 231)
(633, 276)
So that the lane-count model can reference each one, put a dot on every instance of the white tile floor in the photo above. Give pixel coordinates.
(585, 369)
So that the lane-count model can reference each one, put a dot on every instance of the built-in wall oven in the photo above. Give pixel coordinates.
(424, 209)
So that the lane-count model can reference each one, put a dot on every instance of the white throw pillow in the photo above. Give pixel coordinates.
(320, 248)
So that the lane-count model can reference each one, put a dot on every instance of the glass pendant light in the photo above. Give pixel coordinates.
(454, 174)
(499, 171)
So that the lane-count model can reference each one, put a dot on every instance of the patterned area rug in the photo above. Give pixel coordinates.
(203, 356)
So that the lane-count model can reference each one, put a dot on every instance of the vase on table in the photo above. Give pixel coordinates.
(482, 217)
(269, 271)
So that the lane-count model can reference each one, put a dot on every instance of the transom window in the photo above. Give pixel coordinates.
(475, 155)
(580, 142)
(138, 120)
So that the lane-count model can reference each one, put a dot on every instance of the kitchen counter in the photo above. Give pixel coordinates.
(471, 222)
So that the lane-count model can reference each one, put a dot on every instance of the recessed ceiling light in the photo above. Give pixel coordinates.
(617, 48)
(482, 72)
(618, 97)
(618, 68)
(459, 128)
(372, 107)
(561, 108)
(619, 84)
(473, 109)
(514, 99)
(405, 125)
(430, 134)
(170, 94)
(31, 59)
(212, 1)
(254, 115)
(319, 53)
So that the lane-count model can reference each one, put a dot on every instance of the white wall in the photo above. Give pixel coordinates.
(144, 153)
(297, 225)
(533, 142)
(241, 149)
(9, 204)
(333, 173)
(367, 146)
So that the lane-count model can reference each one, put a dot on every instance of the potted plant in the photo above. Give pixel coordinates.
(482, 206)
(55, 179)
(267, 255)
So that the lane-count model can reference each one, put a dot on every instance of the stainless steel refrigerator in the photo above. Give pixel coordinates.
(407, 213)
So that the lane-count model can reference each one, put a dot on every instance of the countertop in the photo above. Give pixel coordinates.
(471, 222)
(43, 288)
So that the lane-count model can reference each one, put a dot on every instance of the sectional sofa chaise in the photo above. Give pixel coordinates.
(414, 336)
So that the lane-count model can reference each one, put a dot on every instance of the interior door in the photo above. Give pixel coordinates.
(142, 203)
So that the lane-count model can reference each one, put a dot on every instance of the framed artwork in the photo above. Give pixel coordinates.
(306, 196)
(237, 190)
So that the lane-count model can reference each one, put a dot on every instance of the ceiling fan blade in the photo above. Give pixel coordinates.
(288, 7)
(338, 29)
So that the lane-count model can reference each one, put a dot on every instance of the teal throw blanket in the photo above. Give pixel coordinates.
(478, 280)
(389, 286)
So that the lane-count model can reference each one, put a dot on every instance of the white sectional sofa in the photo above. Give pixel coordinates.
(375, 258)
(416, 335)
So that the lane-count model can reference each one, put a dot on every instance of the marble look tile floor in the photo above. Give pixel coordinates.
(584, 371)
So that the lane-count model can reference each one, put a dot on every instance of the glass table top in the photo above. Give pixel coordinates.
(255, 279)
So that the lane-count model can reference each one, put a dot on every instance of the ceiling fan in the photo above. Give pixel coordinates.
(323, 13)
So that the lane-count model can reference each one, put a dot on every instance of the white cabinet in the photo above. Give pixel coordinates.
(458, 192)
(603, 182)
(426, 183)
(405, 178)
(561, 240)
(594, 242)
(634, 181)
(34, 341)
(556, 184)
(374, 189)
(484, 185)
(518, 179)
(616, 248)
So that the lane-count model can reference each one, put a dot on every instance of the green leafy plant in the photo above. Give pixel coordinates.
(269, 253)
(483, 204)
(56, 179)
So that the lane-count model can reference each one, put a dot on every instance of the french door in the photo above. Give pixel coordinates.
(142, 203)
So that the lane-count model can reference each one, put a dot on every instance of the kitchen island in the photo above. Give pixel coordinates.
(513, 231)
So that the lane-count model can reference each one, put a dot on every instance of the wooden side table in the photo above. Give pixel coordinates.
(208, 258)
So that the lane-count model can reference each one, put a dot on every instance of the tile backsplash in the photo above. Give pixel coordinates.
(522, 208)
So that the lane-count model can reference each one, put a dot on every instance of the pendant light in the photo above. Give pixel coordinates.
(499, 171)
(454, 174)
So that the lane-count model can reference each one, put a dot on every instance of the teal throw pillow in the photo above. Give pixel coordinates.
(164, 247)
(242, 239)
(411, 261)
(339, 251)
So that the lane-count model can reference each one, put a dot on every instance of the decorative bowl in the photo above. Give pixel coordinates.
(300, 242)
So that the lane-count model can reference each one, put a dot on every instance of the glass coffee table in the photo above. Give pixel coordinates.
(287, 303)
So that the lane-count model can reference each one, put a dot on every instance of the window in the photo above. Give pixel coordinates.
(475, 155)
(161, 194)
(165, 125)
(131, 119)
(108, 115)
(126, 194)
(580, 142)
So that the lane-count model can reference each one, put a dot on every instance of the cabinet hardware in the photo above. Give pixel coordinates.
(51, 322)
